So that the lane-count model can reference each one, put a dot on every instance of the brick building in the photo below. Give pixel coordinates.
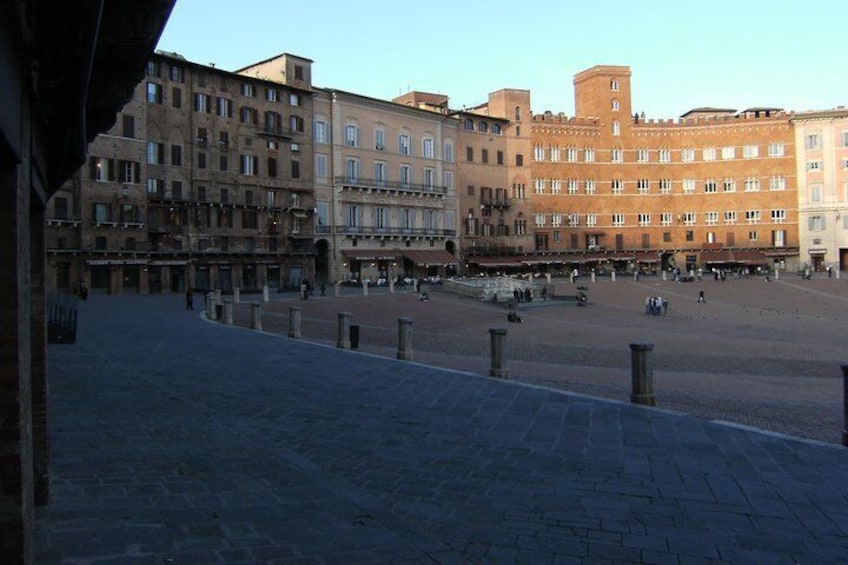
(205, 180)
(612, 190)
(821, 140)
(385, 174)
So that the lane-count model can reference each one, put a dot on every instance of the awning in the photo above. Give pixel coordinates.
(750, 257)
(430, 257)
(647, 258)
(496, 261)
(370, 254)
(716, 257)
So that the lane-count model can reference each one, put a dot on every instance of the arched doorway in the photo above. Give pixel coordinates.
(322, 260)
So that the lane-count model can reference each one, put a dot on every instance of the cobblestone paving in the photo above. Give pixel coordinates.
(757, 353)
(175, 440)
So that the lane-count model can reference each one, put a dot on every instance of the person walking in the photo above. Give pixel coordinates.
(323, 289)
(701, 298)
(189, 297)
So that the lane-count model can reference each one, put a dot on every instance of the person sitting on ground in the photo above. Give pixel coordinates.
(514, 317)
(424, 297)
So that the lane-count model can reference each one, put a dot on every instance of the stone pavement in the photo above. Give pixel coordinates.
(176, 440)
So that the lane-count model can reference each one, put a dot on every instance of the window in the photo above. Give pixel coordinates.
(296, 124)
(709, 153)
(572, 186)
(223, 163)
(517, 114)
(201, 160)
(154, 93)
(777, 183)
(556, 220)
(666, 218)
(710, 186)
(249, 165)
(591, 220)
(540, 186)
(519, 160)
(616, 156)
(429, 177)
(272, 167)
(248, 89)
(224, 107)
(687, 155)
(616, 127)
(177, 97)
(617, 186)
(689, 218)
(448, 179)
(817, 223)
(815, 193)
(614, 105)
(571, 154)
(589, 155)
(556, 186)
(665, 186)
(484, 155)
(176, 155)
(295, 168)
(814, 165)
(618, 220)
(153, 68)
(729, 185)
(642, 156)
(448, 151)
(272, 94)
(320, 131)
(468, 124)
(730, 217)
(223, 139)
(352, 170)
(778, 238)
(428, 148)
(201, 194)
(751, 151)
(248, 115)
(155, 153)
(469, 154)
(688, 186)
(129, 172)
(379, 173)
(778, 216)
(775, 150)
(128, 125)
(351, 134)
(752, 184)
(711, 218)
(496, 129)
(812, 141)
(202, 102)
(202, 137)
(614, 85)
(405, 175)
(540, 220)
(320, 166)
(299, 72)
(103, 169)
(643, 186)
(404, 144)
(728, 152)
(482, 127)
(554, 153)
(156, 188)
(644, 219)
(752, 216)
(589, 185)
(500, 158)
(538, 153)
(665, 156)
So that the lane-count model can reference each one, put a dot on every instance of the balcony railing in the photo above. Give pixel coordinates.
(496, 202)
(370, 230)
(377, 184)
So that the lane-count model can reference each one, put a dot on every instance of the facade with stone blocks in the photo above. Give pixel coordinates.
(205, 180)
(612, 190)
(821, 140)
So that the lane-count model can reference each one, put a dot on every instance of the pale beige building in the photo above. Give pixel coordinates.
(821, 141)
(385, 188)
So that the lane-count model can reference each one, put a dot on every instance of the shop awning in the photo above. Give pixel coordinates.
(430, 257)
(370, 254)
(716, 257)
(750, 257)
(647, 258)
(494, 262)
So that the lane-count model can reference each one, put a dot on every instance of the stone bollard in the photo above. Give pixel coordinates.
(344, 330)
(294, 321)
(498, 369)
(404, 351)
(210, 305)
(391, 286)
(266, 297)
(338, 289)
(236, 295)
(228, 312)
(664, 276)
(612, 276)
(845, 404)
(548, 276)
(593, 276)
(642, 373)
(776, 274)
(256, 315)
(364, 288)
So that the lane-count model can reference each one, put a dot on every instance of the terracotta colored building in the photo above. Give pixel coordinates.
(716, 188)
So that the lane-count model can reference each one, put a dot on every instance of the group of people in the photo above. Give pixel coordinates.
(656, 306)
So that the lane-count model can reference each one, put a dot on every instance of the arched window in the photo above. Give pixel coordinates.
(469, 123)
(614, 85)
(482, 127)
(614, 104)
(616, 127)
(496, 129)
(517, 114)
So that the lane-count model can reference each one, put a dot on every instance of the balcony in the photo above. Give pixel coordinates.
(269, 130)
(379, 232)
(389, 186)
(496, 202)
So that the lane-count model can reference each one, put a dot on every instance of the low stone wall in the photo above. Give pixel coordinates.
(492, 289)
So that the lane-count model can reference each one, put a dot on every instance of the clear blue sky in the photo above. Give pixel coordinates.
(683, 53)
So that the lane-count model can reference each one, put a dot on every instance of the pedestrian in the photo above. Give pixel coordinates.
(701, 298)
(303, 290)
(189, 297)
(83, 290)
(544, 293)
(323, 289)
